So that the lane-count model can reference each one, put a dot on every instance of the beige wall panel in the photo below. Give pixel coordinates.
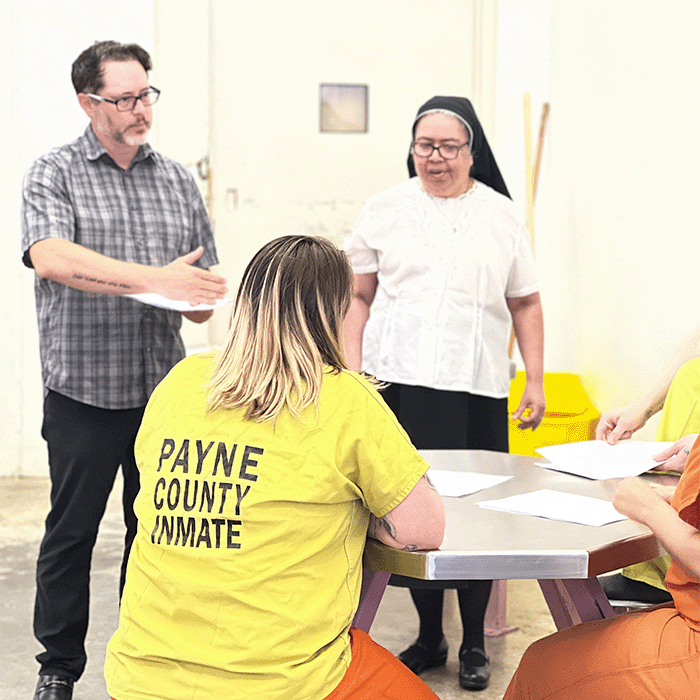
(273, 171)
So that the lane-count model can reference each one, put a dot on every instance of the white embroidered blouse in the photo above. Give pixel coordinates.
(444, 268)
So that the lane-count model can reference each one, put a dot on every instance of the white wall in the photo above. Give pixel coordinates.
(287, 176)
(523, 66)
(616, 213)
(619, 231)
(264, 90)
(627, 154)
(39, 40)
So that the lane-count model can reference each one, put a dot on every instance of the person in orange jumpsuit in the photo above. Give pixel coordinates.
(643, 655)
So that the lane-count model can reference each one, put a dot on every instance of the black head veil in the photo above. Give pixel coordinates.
(485, 168)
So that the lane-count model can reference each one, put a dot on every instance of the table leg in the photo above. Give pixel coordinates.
(495, 619)
(576, 600)
(373, 585)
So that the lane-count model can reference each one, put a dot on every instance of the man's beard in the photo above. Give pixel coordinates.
(125, 137)
(138, 140)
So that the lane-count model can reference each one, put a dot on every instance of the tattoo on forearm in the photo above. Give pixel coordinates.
(107, 283)
(430, 483)
(386, 524)
(376, 525)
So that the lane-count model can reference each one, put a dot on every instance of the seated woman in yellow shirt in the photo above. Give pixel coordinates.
(677, 391)
(263, 469)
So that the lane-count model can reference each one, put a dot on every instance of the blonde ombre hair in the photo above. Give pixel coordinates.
(286, 328)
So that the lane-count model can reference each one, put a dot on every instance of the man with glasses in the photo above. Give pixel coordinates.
(103, 216)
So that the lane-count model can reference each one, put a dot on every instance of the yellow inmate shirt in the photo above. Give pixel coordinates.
(245, 572)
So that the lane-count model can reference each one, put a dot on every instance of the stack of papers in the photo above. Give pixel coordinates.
(595, 459)
(455, 484)
(557, 505)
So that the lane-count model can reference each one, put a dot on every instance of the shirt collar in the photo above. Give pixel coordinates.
(94, 150)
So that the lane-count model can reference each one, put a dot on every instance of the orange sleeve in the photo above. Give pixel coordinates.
(686, 499)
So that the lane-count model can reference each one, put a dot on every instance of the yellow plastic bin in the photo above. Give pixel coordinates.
(570, 416)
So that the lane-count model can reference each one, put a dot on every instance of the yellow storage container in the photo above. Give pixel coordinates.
(570, 416)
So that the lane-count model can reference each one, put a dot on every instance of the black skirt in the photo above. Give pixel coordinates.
(436, 419)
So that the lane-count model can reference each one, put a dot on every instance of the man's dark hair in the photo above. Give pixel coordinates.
(87, 72)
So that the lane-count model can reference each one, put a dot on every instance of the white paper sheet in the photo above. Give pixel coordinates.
(558, 505)
(455, 484)
(595, 459)
(164, 303)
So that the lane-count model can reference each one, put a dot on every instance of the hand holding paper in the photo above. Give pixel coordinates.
(596, 459)
(181, 279)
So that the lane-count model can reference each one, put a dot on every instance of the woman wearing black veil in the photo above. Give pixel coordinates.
(445, 262)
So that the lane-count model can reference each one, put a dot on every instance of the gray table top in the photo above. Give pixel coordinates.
(487, 544)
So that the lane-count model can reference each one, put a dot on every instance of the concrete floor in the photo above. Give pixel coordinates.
(23, 505)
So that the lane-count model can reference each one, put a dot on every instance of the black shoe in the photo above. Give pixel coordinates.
(420, 657)
(619, 587)
(54, 688)
(474, 677)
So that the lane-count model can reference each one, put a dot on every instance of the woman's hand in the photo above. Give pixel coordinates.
(675, 455)
(532, 399)
(620, 424)
(666, 492)
(529, 330)
(636, 499)
(651, 507)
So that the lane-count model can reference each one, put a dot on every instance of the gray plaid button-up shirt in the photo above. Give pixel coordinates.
(103, 350)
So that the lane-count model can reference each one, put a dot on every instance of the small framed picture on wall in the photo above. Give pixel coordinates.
(343, 107)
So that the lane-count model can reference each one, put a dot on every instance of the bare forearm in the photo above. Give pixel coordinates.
(678, 538)
(653, 400)
(418, 522)
(384, 530)
(528, 324)
(649, 505)
(529, 330)
(84, 269)
(364, 289)
(355, 321)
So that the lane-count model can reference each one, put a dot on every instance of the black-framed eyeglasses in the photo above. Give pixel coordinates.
(126, 104)
(425, 149)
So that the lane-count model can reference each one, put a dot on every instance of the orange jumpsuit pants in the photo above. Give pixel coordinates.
(646, 655)
(376, 674)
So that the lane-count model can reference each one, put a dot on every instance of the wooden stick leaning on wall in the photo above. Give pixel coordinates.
(538, 159)
(532, 176)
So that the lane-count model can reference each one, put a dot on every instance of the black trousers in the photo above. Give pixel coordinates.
(447, 420)
(86, 447)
